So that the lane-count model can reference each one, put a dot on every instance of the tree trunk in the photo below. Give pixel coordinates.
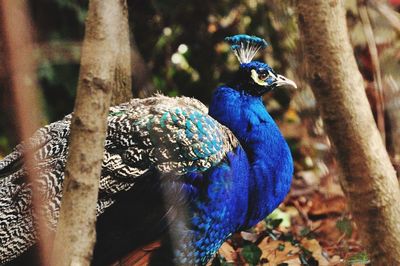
(142, 85)
(122, 89)
(20, 69)
(369, 179)
(101, 60)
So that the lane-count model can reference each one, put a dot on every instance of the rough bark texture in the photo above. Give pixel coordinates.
(21, 71)
(122, 89)
(369, 179)
(101, 55)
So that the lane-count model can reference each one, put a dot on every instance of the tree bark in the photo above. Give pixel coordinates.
(368, 179)
(99, 74)
(122, 89)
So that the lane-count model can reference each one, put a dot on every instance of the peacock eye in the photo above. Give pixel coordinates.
(262, 76)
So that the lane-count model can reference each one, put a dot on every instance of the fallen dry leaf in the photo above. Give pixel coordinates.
(313, 246)
(227, 252)
(310, 177)
(277, 251)
(260, 227)
(328, 230)
(326, 206)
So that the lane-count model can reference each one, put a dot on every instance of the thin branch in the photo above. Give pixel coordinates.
(392, 107)
(387, 12)
(373, 51)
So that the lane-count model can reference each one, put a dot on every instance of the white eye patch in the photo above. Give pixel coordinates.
(254, 76)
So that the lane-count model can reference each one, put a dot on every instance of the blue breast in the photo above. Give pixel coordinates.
(220, 206)
(269, 157)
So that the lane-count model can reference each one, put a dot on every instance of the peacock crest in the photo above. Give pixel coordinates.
(245, 47)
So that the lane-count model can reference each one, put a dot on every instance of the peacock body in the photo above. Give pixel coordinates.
(172, 170)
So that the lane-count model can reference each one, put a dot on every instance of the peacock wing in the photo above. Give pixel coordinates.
(49, 147)
(153, 136)
(161, 135)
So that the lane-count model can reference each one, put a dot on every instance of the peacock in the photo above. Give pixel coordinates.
(173, 170)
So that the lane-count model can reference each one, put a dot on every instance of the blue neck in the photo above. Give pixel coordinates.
(271, 165)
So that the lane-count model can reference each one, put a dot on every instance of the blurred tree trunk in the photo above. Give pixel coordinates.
(142, 85)
(100, 72)
(369, 179)
(392, 106)
(20, 70)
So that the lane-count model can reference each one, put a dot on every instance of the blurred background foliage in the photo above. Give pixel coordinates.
(178, 49)
(181, 45)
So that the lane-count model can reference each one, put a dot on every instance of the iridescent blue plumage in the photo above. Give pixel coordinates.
(245, 47)
(269, 157)
(172, 170)
(256, 176)
(236, 40)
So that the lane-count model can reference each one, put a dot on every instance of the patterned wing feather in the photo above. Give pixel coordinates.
(157, 135)
(17, 230)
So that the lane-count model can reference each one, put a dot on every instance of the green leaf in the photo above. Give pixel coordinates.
(344, 226)
(360, 257)
(305, 231)
(4, 146)
(251, 253)
(46, 71)
(278, 218)
(224, 263)
(159, 82)
(173, 93)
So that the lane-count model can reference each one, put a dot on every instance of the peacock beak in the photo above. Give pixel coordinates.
(283, 81)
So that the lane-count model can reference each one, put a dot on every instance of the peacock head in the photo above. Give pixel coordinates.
(255, 77)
